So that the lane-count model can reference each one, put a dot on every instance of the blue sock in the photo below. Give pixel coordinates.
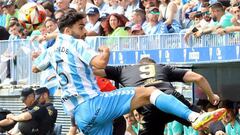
(170, 104)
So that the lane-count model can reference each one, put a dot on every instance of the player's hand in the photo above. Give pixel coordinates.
(214, 99)
(103, 49)
(39, 38)
(35, 54)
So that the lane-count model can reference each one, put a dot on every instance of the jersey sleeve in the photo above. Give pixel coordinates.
(175, 74)
(84, 52)
(42, 61)
(113, 72)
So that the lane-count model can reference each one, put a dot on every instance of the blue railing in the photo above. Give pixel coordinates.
(169, 49)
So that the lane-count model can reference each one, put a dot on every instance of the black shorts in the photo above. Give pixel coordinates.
(119, 126)
(155, 119)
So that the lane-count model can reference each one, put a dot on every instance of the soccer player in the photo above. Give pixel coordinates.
(93, 110)
(148, 73)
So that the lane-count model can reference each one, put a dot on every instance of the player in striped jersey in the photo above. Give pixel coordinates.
(93, 110)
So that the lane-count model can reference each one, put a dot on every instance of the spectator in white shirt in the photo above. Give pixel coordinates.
(93, 25)
(102, 6)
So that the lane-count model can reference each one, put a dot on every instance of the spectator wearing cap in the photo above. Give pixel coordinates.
(2, 15)
(42, 97)
(102, 6)
(30, 121)
(204, 21)
(93, 24)
(231, 119)
(221, 19)
(11, 11)
(153, 26)
(103, 20)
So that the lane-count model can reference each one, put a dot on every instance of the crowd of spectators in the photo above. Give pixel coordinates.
(127, 18)
(113, 17)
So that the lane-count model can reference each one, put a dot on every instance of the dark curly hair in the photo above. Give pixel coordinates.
(69, 20)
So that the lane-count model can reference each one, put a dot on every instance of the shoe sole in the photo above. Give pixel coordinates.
(218, 115)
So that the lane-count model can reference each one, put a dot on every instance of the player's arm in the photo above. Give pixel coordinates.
(40, 63)
(21, 117)
(46, 37)
(99, 72)
(100, 61)
(202, 82)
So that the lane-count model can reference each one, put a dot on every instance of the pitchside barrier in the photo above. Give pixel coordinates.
(166, 48)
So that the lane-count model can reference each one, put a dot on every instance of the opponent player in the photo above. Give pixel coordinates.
(148, 73)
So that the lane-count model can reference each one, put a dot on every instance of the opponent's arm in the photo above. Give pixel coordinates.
(202, 82)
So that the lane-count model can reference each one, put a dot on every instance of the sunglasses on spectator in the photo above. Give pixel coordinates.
(155, 12)
(206, 13)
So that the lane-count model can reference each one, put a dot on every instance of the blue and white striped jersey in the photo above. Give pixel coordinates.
(71, 59)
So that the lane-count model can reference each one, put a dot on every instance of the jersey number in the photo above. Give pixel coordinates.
(147, 71)
(64, 79)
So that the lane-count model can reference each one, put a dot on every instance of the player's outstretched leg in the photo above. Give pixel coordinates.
(172, 105)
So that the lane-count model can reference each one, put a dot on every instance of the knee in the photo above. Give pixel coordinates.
(143, 92)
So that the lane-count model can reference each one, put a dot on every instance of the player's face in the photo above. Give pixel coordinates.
(78, 30)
